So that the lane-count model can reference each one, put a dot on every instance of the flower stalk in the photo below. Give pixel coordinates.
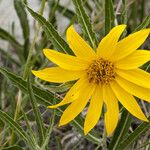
(27, 68)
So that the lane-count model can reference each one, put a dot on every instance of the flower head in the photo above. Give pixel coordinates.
(109, 75)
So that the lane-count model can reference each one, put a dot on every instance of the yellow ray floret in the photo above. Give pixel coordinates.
(136, 76)
(72, 94)
(134, 89)
(107, 45)
(66, 61)
(94, 110)
(78, 105)
(129, 44)
(57, 74)
(107, 76)
(112, 109)
(76, 43)
(134, 60)
(128, 101)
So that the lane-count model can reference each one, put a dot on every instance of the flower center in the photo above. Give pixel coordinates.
(101, 71)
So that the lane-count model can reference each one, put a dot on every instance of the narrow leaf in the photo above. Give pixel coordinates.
(121, 130)
(20, 10)
(45, 98)
(36, 111)
(141, 129)
(8, 37)
(49, 130)
(9, 57)
(29, 127)
(66, 12)
(61, 88)
(109, 16)
(16, 147)
(144, 24)
(15, 126)
(52, 34)
(85, 23)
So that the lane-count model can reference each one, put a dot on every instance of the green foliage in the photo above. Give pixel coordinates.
(20, 9)
(8, 120)
(8, 37)
(109, 15)
(45, 98)
(144, 24)
(36, 111)
(121, 130)
(13, 148)
(85, 23)
(52, 34)
(25, 121)
(141, 129)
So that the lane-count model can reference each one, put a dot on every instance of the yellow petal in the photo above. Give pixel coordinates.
(129, 44)
(65, 61)
(94, 110)
(78, 105)
(78, 45)
(72, 94)
(137, 76)
(58, 75)
(107, 44)
(112, 113)
(128, 101)
(134, 60)
(134, 89)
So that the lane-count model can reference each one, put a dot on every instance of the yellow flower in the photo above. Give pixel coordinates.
(109, 75)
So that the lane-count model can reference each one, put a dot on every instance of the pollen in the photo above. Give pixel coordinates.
(101, 71)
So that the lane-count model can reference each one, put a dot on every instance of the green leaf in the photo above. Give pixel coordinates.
(8, 37)
(60, 88)
(87, 5)
(52, 13)
(141, 129)
(26, 48)
(13, 148)
(143, 5)
(36, 111)
(29, 127)
(45, 98)
(109, 16)
(20, 10)
(121, 130)
(49, 130)
(15, 126)
(144, 24)
(124, 14)
(52, 34)
(85, 23)
(66, 12)
(9, 57)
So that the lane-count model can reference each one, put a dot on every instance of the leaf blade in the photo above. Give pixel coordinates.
(144, 24)
(52, 34)
(14, 125)
(36, 111)
(8, 37)
(85, 23)
(43, 98)
(134, 135)
(121, 130)
(109, 16)
(20, 10)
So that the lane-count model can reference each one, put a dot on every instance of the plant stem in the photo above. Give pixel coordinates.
(49, 130)
(28, 62)
(27, 68)
(104, 147)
